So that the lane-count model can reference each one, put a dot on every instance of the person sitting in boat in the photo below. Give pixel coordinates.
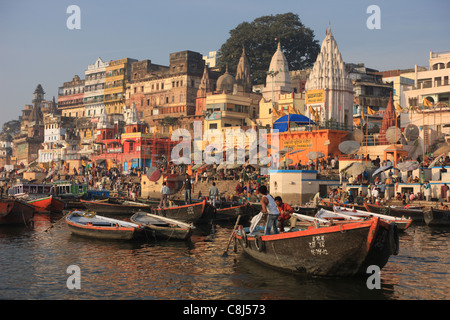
(269, 208)
(285, 212)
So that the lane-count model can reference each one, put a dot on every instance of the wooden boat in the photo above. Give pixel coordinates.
(47, 204)
(99, 227)
(329, 205)
(108, 206)
(231, 213)
(437, 217)
(347, 214)
(415, 214)
(190, 213)
(162, 227)
(328, 250)
(13, 211)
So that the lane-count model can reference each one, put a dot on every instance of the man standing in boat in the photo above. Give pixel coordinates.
(213, 194)
(187, 186)
(269, 209)
(165, 191)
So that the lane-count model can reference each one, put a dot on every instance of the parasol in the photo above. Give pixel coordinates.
(443, 149)
(155, 176)
(382, 169)
(436, 160)
(409, 165)
(355, 169)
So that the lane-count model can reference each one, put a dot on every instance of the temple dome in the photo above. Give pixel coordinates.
(226, 82)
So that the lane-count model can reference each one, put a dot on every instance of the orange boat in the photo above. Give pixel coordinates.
(47, 204)
(13, 211)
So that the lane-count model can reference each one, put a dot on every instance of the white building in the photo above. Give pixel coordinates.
(211, 59)
(94, 88)
(432, 84)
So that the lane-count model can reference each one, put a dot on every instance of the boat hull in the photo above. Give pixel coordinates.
(190, 213)
(417, 215)
(47, 204)
(231, 213)
(342, 250)
(101, 231)
(112, 208)
(14, 211)
(437, 218)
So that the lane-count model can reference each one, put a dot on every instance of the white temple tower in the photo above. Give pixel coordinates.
(278, 80)
(329, 90)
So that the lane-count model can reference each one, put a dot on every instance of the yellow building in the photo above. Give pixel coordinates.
(117, 73)
(289, 103)
(227, 110)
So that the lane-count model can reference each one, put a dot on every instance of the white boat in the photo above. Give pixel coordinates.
(353, 214)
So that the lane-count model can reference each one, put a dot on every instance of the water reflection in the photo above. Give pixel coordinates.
(34, 261)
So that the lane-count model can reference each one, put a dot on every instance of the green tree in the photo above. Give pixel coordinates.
(260, 39)
(12, 127)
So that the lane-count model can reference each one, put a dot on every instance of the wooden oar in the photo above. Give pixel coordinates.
(231, 237)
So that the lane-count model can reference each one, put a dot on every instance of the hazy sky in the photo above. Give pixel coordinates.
(37, 47)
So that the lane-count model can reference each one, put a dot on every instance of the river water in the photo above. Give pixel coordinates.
(34, 264)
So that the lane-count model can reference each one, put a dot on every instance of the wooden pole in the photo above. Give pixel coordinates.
(231, 237)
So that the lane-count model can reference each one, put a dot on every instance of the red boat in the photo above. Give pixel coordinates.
(47, 204)
(14, 211)
(334, 250)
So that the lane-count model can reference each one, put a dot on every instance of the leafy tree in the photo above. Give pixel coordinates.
(12, 127)
(260, 39)
(169, 121)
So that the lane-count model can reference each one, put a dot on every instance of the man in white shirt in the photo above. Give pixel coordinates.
(213, 194)
(165, 191)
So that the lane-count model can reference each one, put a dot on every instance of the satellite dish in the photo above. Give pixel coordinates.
(393, 134)
(412, 132)
(349, 147)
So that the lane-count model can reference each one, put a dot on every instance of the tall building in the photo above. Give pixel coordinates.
(117, 74)
(71, 98)
(329, 89)
(166, 92)
(27, 144)
(369, 88)
(94, 88)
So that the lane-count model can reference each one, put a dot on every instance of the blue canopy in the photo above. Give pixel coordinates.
(283, 123)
